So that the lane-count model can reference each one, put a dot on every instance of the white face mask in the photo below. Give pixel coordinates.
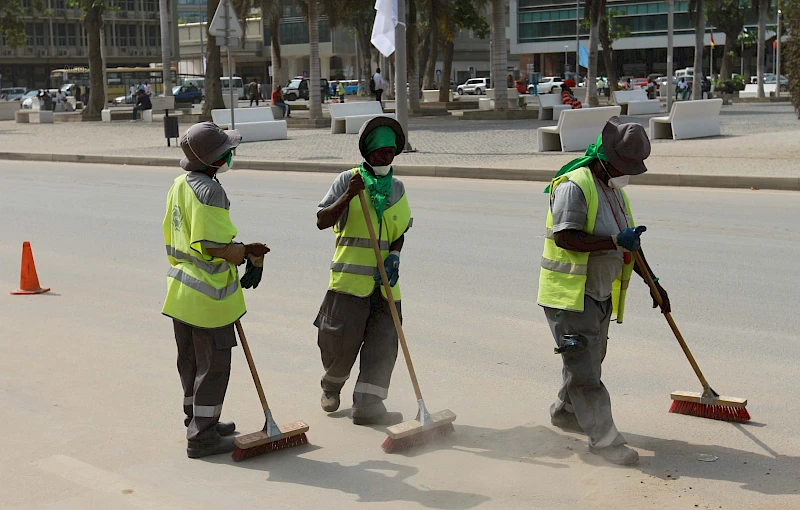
(382, 170)
(224, 168)
(619, 182)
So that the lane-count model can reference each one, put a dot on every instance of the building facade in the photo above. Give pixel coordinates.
(58, 40)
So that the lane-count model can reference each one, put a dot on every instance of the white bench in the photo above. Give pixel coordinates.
(349, 117)
(688, 119)
(432, 96)
(576, 129)
(161, 104)
(751, 91)
(7, 109)
(147, 115)
(254, 124)
(634, 102)
(550, 106)
(40, 117)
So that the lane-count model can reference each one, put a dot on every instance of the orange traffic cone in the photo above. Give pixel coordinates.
(28, 280)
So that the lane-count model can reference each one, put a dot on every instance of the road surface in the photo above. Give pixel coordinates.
(91, 399)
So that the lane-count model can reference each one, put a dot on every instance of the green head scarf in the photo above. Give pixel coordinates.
(593, 152)
(379, 187)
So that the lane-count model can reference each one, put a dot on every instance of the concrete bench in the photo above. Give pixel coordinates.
(751, 90)
(41, 117)
(349, 117)
(634, 102)
(576, 129)
(550, 106)
(161, 104)
(8, 108)
(254, 124)
(688, 119)
(147, 115)
(432, 96)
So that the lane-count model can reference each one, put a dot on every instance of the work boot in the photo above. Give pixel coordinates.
(196, 449)
(329, 401)
(617, 454)
(385, 418)
(226, 428)
(566, 421)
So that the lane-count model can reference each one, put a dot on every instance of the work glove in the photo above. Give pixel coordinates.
(252, 274)
(629, 239)
(392, 267)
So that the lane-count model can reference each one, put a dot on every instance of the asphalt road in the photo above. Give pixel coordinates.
(91, 402)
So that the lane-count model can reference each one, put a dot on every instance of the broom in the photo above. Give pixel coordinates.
(427, 427)
(708, 404)
(271, 437)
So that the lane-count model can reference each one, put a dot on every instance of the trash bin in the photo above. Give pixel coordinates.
(170, 128)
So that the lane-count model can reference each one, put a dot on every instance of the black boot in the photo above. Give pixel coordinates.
(385, 418)
(196, 449)
(226, 428)
(329, 401)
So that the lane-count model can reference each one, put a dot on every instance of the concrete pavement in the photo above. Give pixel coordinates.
(91, 397)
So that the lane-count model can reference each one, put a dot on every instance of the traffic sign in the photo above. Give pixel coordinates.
(225, 24)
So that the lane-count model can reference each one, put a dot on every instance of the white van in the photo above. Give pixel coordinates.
(238, 87)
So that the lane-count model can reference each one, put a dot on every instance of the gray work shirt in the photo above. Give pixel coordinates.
(569, 210)
(339, 188)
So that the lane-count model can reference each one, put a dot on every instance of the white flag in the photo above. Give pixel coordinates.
(383, 29)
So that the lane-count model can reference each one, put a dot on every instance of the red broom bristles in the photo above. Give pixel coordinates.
(426, 436)
(281, 444)
(714, 412)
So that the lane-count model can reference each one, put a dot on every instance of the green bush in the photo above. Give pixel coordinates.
(729, 86)
(792, 55)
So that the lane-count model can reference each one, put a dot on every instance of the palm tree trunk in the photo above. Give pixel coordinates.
(727, 62)
(499, 55)
(447, 70)
(433, 56)
(275, 56)
(424, 52)
(594, 35)
(213, 85)
(166, 53)
(412, 52)
(314, 92)
(699, 44)
(763, 6)
(608, 53)
(93, 22)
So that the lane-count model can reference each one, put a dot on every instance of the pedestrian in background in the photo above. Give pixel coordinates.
(252, 91)
(277, 100)
(147, 89)
(377, 84)
(341, 92)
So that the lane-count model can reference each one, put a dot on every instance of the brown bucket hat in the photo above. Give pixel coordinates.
(626, 146)
(205, 143)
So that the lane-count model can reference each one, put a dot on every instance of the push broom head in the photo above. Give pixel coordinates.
(259, 443)
(413, 433)
(714, 408)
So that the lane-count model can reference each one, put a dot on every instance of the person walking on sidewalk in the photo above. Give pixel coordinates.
(204, 296)
(377, 84)
(252, 91)
(586, 267)
(354, 315)
(340, 91)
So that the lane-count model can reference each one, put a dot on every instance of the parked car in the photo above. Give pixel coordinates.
(27, 101)
(474, 86)
(547, 85)
(187, 94)
(297, 88)
(13, 93)
(639, 83)
(770, 79)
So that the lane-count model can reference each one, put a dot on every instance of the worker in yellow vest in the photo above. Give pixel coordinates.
(586, 267)
(355, 316)
(204, 295)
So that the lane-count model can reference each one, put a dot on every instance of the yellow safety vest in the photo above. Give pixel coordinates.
(354, 263)
(202, 290)
(562, 278)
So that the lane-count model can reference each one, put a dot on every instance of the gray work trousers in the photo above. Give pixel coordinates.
(204, 364)
(582, 392)
(348, 325)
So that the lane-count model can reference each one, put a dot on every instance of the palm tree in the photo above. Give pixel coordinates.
(697, 9)
(499, 55)
(92, 12)
(412, 53)
(314, 96)
(594, 11)
(271, 13)
(761, 6)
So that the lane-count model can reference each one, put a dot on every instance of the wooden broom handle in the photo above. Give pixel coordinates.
(637, 257)
(253, 371)
(388, 288)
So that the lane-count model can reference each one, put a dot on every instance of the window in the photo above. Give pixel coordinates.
(153, 35)
(36, 34)
(60, 36)
(72, 32)
(151, 5)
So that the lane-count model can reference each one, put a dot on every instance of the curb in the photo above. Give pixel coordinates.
(503, 174)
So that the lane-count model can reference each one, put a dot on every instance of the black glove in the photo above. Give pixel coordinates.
(253, 272)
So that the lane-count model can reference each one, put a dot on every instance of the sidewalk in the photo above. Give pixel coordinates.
(759, 147)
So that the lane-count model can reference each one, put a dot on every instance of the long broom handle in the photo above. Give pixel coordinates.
(388, 289)
(253, 371)
(654, 290)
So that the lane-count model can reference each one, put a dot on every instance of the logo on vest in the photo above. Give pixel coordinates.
(177, 220)
(394, 217)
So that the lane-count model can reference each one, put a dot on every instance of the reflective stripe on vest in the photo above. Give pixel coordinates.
(354, 264)
(202, 290)
(562, 277)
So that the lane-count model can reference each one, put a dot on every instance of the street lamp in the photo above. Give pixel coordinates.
(670, 44)
(778, 57)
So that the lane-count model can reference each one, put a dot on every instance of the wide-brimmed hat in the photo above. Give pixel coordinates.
(205, 143)
(375, 122)
(626, 146)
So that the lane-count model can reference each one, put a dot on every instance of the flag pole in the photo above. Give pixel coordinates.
(401, 76)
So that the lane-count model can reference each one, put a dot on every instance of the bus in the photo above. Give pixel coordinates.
(120, 79)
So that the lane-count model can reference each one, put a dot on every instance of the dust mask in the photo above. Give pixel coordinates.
(616, 182)
(382, 170)
(228, 165)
